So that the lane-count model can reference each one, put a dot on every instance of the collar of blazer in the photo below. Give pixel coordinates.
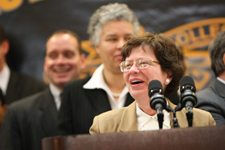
(129, 120)
(218, 88)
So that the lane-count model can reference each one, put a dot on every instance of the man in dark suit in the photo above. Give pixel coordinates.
(212, 99)
(31, 119)
(13, 85)
(20, 86)
(109, 28)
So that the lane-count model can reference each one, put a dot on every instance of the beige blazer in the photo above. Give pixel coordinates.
(124, 119)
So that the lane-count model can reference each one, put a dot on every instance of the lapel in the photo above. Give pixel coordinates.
(218, 88)
(100, 101)
(129, 100)
(48, 113)
(181, 116)
(129, 119)
(13, 88)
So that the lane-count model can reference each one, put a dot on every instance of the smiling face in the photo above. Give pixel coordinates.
(63, 62)
(114, 35)
(137, 80)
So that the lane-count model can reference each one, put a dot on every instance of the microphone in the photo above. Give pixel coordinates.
(157, 99)
(188, 97)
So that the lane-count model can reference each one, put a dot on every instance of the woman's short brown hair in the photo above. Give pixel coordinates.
(166, 52)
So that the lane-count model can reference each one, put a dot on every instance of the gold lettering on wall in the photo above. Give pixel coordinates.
(33, 1)
(9, 5)
(195, 38)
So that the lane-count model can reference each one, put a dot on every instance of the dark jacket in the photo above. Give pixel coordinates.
(212, 99)
(27, 121)
(80, 106)
(20, 86)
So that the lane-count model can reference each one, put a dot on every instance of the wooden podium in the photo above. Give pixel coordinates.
(196, 138)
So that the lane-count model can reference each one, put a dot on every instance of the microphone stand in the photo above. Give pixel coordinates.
(188, 100)
(175, 121)
(189, 113)
(160, 114)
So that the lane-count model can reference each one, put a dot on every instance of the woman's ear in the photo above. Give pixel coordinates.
(97, 49)
(168, 78)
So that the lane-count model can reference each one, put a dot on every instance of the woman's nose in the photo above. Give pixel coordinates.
(134, 69)
(120, 43)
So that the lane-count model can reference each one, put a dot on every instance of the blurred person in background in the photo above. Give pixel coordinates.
(110, 27)
(212, 99)
(13, 85)
(29, 120)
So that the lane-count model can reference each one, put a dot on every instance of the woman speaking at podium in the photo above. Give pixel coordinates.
(146, 58)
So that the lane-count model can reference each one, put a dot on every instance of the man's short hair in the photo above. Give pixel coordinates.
(216, 51)
(63, 31)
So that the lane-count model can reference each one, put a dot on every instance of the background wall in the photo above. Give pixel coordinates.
(192, 23)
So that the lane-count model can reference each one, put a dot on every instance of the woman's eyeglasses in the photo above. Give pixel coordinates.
(141, 63)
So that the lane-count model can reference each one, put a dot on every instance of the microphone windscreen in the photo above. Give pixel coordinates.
(187, 80)
(154, 85)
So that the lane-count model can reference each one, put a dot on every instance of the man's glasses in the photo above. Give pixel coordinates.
(141, 63)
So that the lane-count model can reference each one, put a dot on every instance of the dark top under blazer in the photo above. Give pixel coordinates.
(80, 106)
(27, 121)
(212, 99)
(21, 85)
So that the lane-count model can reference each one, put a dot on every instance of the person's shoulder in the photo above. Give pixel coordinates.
(211, 91)
(203, 91)
(77, 83)
(24, 109)
(203, 116)
(200, 111)
(27, 102)
(112, 115)
(208, 100)
(114, 120)
(27, 79)
(206, 94)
